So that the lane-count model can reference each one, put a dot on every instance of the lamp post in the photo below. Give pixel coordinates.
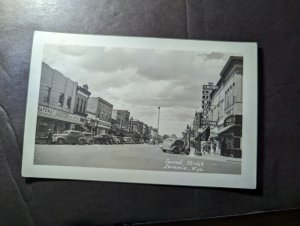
(158, 120)
(189, 135)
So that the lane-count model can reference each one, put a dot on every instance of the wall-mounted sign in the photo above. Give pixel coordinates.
(209, 122)
(47, 111)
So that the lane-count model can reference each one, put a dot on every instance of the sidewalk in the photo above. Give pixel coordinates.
(215, 157)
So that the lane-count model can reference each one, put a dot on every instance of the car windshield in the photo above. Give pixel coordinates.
(169, 140)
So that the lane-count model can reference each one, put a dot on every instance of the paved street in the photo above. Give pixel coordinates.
(131, 156)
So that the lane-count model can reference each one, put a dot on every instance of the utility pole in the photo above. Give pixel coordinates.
(158, 120)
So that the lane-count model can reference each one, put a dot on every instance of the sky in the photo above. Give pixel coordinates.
(140, 80)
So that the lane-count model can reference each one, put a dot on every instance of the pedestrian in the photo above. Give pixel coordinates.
(49, 136)
(214, 146)
(223, 146)
(203, 145)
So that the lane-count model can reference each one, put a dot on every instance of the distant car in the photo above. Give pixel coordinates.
(67, 137)
(122, 140)
(153, 141)
(103, 139)
(128, 140)
(116, 140)
(173, 145)
(86, 139)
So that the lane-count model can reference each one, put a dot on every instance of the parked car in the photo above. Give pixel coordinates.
(103, 139)
(136, 140)
(86, 139)
(128, 140)
(67, 137)
(174, 145)
(122, 140)
(116, 140)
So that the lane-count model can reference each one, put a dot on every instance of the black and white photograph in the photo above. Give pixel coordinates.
(142, 110)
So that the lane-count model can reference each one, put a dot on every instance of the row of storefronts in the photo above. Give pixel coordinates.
(65, 105)
(220, 127)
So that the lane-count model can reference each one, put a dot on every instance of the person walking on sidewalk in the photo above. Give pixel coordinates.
(223, 146)
(203, 147)
(49, 136)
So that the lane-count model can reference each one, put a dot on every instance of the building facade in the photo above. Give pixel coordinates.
(226, 109)
(137, 126)
(56, 103)
(197, 123)
(99, 113)
(81, 100)
(121, 118)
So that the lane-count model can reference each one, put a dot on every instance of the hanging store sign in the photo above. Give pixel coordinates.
(209, 123)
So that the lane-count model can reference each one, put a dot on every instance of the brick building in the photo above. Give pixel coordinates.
(226, 108)
(56, 103)
(121, 118)
(99, 113)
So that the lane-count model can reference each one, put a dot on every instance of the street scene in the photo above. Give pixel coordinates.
(108, 108)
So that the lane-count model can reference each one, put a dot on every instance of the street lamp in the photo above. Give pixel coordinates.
(188, 130)
(158, 120)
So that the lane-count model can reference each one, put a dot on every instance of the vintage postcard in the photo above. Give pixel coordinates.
(142, 110)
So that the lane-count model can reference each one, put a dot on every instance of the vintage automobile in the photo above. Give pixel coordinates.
(86, 139)
(103, 139)
(173, 145)
(115, 140)
(121, 140)
(67, 137)
(136, 140)
(128, 140)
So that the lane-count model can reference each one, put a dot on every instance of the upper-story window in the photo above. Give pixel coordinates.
(69, 102)
(84, 105)
(77, 105)
(47, 94)
(81, 103)
(61, 99)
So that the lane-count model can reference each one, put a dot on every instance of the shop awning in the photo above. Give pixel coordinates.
(226, 128)
(203, 129)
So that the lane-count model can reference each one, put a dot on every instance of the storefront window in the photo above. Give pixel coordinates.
(237, 142)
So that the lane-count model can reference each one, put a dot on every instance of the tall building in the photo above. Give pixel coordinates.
(206, 101)
(197, 122)
(99, 115)
(226, 108)
(56, 103)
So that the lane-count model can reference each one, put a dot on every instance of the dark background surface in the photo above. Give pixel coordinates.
(274, 24)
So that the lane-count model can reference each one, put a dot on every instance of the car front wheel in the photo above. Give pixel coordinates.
(81, 142)
(175, 150)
